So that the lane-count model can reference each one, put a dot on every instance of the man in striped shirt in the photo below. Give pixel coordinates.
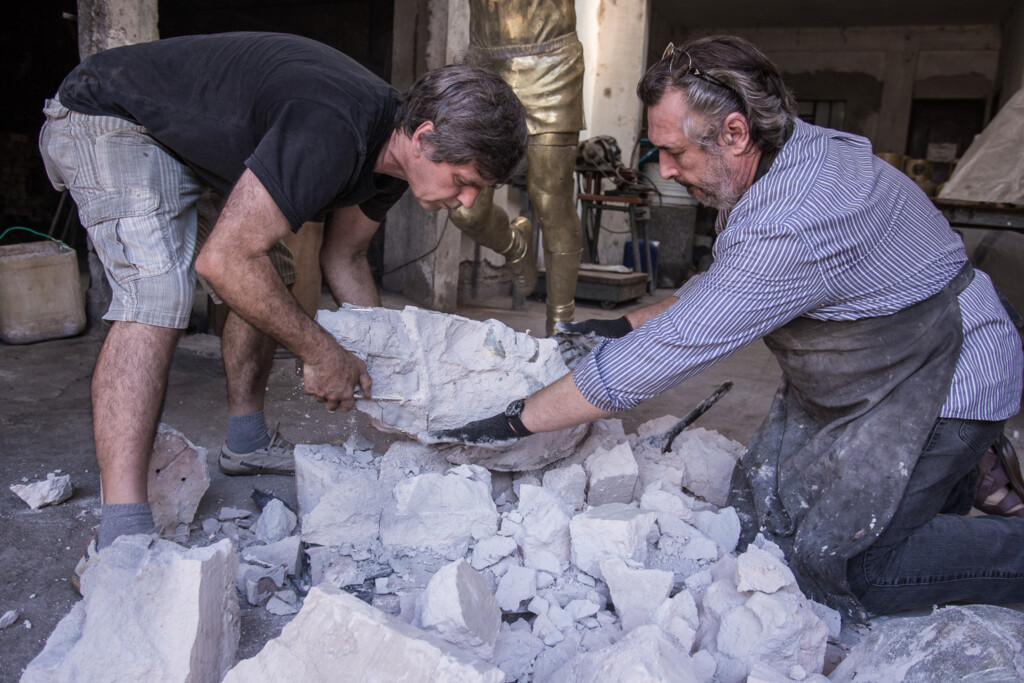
(900, 365)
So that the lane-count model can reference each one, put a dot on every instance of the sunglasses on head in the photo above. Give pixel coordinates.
(672, 53)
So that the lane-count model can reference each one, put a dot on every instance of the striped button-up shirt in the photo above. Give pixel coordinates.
(831, 232)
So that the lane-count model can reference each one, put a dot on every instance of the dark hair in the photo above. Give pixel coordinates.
(477, 119)
(748, 83)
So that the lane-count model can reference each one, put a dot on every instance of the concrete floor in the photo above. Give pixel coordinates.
(45, 425)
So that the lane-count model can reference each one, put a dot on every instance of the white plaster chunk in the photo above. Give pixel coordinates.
(545, 526)
(700, 548)
(336, 634)
(607, 532)
(723, 527)
(517, 585)
(491, 550)
(53, 490)
(458, 606)
(326, 565)
(830, 617)
(158, 611)
(178, 478)
(758, 570)
(544, 629)
(515, 650)
(339, 500)
(604, 434)
(673, 514)
(562, 620)
(228, 513)
(568, 483)
(279, 607)
(636, 593)
(678, 617)
(765, 674)
(283, 553)
(440, 513)
(9, 617)
(644, 655)
(276, 522)
(746, 630)
(538, 606)
(447, 370)
(544, 562)
(579, 609)
(708, 462)
(612, 475)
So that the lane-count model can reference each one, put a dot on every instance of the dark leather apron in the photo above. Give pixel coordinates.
(827, 468)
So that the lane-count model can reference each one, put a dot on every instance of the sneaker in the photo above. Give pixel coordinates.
(277, 457)
(87, 559)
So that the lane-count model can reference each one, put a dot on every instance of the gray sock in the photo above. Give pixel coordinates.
(247, 433)
(123, 519)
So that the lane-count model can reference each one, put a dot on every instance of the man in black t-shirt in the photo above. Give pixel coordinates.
(289, 130)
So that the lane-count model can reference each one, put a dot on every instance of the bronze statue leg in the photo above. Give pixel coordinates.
(551, 160)
(488, 225)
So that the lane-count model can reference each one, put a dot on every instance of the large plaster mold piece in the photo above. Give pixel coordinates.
(438, 371)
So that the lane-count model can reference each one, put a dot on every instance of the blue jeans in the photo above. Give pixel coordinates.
(931, 553)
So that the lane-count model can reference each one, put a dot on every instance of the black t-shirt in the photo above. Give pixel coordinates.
(306, 119)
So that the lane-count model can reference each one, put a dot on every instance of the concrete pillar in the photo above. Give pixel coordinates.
(422, 248)
(1011, 56)
(614, 37)
(894, 113)
(104, 24)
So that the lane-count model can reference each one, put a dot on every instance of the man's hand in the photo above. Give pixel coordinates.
(491, 430)
(576, 340)
(333, 379)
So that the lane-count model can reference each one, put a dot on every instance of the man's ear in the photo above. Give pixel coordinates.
(736, 133)
(419, 144)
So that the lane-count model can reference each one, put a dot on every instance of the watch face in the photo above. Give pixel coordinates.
(515, 408)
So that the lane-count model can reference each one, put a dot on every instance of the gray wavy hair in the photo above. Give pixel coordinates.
(721, 75)
(477, 119)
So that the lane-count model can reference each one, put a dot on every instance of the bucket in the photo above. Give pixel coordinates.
(40, 293)
(627, 257)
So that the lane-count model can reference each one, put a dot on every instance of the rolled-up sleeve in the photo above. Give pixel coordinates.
(754, 286)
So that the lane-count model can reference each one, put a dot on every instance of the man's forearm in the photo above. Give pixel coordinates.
(642, 315)
(558, 406)
(351, 282)
(254, 290)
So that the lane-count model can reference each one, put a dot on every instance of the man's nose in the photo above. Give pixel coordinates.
(468, 196)
(667, 167)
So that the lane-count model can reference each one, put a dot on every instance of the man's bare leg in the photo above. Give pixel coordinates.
(128, 387)
(248, 359)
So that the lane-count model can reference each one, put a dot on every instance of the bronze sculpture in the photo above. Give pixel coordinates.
(532, 45)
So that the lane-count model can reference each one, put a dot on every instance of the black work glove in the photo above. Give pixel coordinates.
(490, 430)
(576, 340)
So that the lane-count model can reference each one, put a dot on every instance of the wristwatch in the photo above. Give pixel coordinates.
(513, 413)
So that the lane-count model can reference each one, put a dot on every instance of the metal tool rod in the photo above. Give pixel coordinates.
(671, 434)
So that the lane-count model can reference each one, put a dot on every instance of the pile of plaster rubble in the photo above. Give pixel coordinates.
(608, 561)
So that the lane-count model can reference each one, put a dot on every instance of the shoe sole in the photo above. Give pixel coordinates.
(251, 470)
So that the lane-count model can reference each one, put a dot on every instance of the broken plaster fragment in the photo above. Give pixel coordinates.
(50, 491)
